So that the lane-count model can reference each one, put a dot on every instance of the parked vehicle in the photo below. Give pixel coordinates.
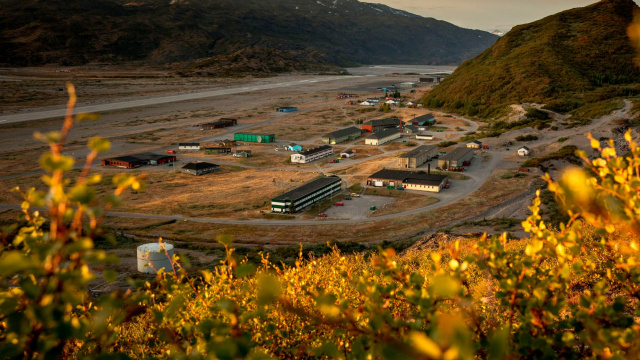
(347, 197)
(372, 208)
(171, 151)
(446, 186)
(355, 195)
(399, 188)
(339, 203)
(466, 163)
(332, 161)
(322, 215)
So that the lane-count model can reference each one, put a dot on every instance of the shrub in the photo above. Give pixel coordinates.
(535, 114)
(526, 138)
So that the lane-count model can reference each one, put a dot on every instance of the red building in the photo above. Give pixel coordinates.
(135, 161)
(377, 125)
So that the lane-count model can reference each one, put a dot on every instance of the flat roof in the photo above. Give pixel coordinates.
(383, 133)
(418, 151)
(343, 132)
(402, 175)
(126, 158)
(457, 153)
(189, 144)
(423, 117)
(387, 121)
(307, 188)
(141, 157)
(436, 180)
(200, 165)
(315, 150)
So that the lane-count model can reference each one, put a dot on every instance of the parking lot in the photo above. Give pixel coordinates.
(357, 207)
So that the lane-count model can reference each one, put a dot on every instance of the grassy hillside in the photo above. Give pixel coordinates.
(575, 57)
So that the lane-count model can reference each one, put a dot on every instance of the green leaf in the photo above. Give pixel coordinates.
(82, 194)
(14, 262)
(99, 144)
(268, 289)
(224, 239)
(445, 286)
(51, 164)
(245, 270)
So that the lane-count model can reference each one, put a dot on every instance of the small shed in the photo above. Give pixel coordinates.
(287, 109)
(293, 147)
(347, 154)
(242, 153)
(524, 151)
(189, 146)
(476, 144)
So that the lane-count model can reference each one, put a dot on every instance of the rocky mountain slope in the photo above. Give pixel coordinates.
(570, 59)
(330, 32)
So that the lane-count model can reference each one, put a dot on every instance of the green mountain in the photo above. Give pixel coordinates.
(576, 57)
(259, 35)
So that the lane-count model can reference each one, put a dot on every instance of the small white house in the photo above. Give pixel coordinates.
(347, 154)
(189, 146)
(391, 102)
(475, 144)
(423, 136)
(367, 103)
(524, 151)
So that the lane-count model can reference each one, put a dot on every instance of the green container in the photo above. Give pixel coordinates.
(372, 208)
(256, 138)
(390, 187)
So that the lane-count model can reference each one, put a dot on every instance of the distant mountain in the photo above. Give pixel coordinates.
(575, 57)
(325, 32)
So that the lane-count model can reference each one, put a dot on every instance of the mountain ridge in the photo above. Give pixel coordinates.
(337, 32)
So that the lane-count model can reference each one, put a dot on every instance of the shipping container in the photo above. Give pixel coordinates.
(256, 138)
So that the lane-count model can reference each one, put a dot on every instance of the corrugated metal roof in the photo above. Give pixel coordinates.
(457, 153)
(307, 188)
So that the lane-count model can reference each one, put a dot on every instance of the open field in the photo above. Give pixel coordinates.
(231, 192)
(403, 200)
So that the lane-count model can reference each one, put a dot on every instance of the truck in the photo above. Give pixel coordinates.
(339, 203)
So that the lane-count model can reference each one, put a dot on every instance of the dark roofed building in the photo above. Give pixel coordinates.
(342, 135)
(224, 122)
(412, 180)
(382, 137)
(456, 158)
(310, 155)
(417, 156)
(306, 195)
(137, 160)
(199, 168)
(422, 120)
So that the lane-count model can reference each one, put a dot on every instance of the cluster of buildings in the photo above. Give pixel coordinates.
(309, 155)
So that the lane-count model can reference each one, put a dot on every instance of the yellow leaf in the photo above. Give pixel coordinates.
(424, 345)
(595, 144)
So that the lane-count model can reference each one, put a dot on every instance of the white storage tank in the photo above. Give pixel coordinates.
(157, 258)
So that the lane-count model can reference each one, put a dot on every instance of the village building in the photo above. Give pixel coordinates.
(351, 102)
(381, 124)
(367, 103)
(310, 155)
(424, 136)
(199, 168)
(417, 156)
(242, 153)
(524, 151)
(430, 79)
(306, 195)
(137, 160)
(222, 123)
(456, 158)
(408, 85)
(410, 129)
(293, 147)
(189, 146)
(476, 144)
(347, 154)
(257, 138)
(347, 96)
(342, 135)
(217, 150)
(423, 120)
(287, 109)
(410, 180)
(382, 137)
